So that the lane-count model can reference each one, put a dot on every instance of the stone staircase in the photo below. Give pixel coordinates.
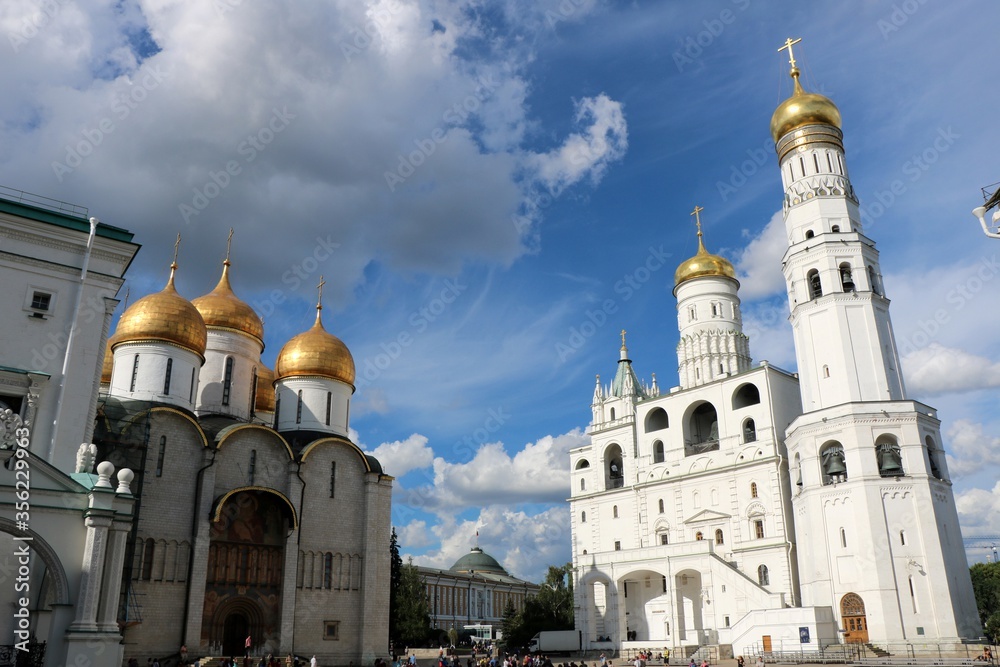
(881, 653)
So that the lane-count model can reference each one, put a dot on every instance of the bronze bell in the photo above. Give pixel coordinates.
(890, 463)
(834, 465)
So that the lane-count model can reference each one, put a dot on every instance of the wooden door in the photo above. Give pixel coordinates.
(852, 611)
(767, 643)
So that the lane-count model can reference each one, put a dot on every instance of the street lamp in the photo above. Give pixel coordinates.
(992, 201)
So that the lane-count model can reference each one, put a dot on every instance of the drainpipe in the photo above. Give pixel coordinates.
(70, 339)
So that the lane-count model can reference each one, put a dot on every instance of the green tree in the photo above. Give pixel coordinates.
(395, 577)
(986, 585)
(551, 609)
(413, 619)
(511, 626)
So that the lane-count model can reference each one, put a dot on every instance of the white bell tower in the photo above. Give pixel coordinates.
(875, 518)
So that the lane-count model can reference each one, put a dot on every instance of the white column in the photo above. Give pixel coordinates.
(92, 572)
(107, 620)
(199, 563)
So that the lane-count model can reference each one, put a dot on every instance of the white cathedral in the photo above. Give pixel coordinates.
(758, 510)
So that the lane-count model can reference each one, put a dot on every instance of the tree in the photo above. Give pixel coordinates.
(413, 619)
(511, 626)
(986, 585)
(395, 577)
(551, 609)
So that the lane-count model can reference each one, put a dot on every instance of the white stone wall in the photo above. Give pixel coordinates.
(150, 375)
(315, 393)
(245, 352)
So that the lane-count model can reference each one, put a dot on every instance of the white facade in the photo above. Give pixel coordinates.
(228, 382)
(750, 507)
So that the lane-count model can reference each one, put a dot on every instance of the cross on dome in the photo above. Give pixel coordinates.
(788, 45)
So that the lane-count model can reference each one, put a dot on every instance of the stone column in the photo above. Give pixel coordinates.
(107, 620)
(290, 564)
(201, 541)
(89, 598)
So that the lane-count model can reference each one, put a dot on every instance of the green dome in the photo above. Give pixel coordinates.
(477, 561)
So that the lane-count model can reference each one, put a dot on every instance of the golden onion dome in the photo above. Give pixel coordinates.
(703, 264)
(264, 401)
(801, 109)
(222, 309)
(109, 361)
(315, 352)
(164, 316)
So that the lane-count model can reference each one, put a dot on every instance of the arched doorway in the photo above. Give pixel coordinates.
(235, 630)
(852, 611)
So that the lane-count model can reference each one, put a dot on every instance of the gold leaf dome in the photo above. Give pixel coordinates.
(221, 308)
(164, 316)
(801, 109)
(264, 401)
(109, 360)
(702, 264)
(315, 352)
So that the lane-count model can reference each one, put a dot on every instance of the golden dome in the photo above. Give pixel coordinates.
(315, 352)
(264, 401)
(703, 264)
(109, 361)
(803, 108)
(164, 316)
(223, 309)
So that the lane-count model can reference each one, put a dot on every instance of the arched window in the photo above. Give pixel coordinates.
(583, 517)
(227, 381)
(614, 511)
(798, 470)
(719, 539)
(698, 536)
(703, 430)
(846, 277)
(932, 458)
(809, 234)
(327, 571)
(614, 474)
(890, 461)
(583, 485)
(843, 538)
(253, 391)
(763, 577)
(753, 489)
(661, 505)
(252, 467)
(166, 377)
(329, 406)
(658, 452)
(873, 281)
(902, 538)
(835, 228)
(298, 409)
(815, 285)
(656, 420)
(147, 559)
(826, 371)
(135, 373)
(582, 463)
(160, 455)
(191, 389)
(833, 463)
(749, 431)
(612, 414)
(746, 395)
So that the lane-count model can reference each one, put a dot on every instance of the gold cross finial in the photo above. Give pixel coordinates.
(128, 290)
(229, 245)
(319, 300)
(697, 218)
(623, 338)
(788, 45)
(177, 245)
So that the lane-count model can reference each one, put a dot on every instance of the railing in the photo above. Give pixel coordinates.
(22, 197)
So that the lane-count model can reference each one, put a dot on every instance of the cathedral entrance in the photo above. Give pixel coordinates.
(852, 610)
(235, 630)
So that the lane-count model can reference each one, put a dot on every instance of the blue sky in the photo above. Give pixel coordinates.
(494, 189)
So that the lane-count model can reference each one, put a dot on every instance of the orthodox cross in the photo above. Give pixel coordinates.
(623, 338)
(229, 245)
(697, 218)
(788, 45)
(319, 300)
(177, 245)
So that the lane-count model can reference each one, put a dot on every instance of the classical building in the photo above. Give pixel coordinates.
(258, 516)
(755, 509)
(63, 529)
(473, 594)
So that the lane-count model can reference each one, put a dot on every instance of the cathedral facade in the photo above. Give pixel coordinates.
(259, 520)
(759, 510)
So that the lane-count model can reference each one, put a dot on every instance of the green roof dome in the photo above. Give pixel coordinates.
(478, 561)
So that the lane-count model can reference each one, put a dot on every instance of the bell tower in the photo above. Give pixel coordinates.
(875, 519)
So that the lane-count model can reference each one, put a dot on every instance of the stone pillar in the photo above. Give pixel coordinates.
(290, 564)
(89, 598)
(375, 599)
(201, 540)
(107, 620)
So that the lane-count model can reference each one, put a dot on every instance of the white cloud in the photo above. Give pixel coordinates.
(589, 152)
(758, 265)
(937, 369)
(524, 544)
(414, 535)
(402, 456)
(766, 324)
(970, 449)
(979, 510)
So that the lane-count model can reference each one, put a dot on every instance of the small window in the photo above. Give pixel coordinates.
(618, 546)
(329, 405)
(835, 229)
(147, 559)
(726, 620)
(826, 371)
(166, 377)
(664, 539)
(331, 631)
(719, 537)
(253, 391)
(763, 576)
(758, 528)
(873, 281)
(846, 277)
(583, 517)
(815, 285)
(328, 571)
(583, 485)
(810, 234)
(191, 388)
(658, 452)
(753, 489)
(661, 505)
(716, 309)
(135, 373)
(843, 538)
(333, 477)
(614, 511)
(829, 161)
(41, 301)
(298, 409)
(692, 313)
(227, 381)
(612, 414)
(252, 468)
(902, 538)
(160, 454)
(699, 536)
(749, 431)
